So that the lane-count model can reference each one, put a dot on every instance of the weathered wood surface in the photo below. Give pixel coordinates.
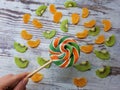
(11, 24)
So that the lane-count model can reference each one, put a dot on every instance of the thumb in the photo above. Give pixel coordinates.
(22, 84)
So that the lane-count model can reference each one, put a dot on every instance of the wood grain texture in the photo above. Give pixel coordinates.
(11, 24)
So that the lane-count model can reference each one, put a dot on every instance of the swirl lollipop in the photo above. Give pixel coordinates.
(64, 52)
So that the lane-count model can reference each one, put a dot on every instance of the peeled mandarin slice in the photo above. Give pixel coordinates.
(107, 25)
(33, 43)
(85, 12)
(82, 34)
(52, 8)
(90, 23)
(37, 23)
(80, 82)
(37, 77)
(26, 18)
(75, 18)
(100, 39)
(25, 35)
(57, 16)
(86, 48)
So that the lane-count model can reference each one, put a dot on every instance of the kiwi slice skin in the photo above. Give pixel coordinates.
(49, 35)
(20, 48)
(94, 31)
(70, 3)
(101, 55)
(40, 10)
(105, 73)
(41, 61)
(111, 41)
(20, 63)
(64, 25)
(83, 67)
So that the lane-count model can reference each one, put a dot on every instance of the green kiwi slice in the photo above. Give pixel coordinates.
(110, 41)
(41, 61)
(103, 72)
(64, 25)
(40, 10)
(49, 34)
(83, 66)
(102, 54)
(94, 31)
(70, 3)
(20, 48)
(21, 63)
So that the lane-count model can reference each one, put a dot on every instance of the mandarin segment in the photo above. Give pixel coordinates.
(57, 17)
(37, 23)
(37, 77)
(25, 35)
(90, 23)
(26, 18)
(82, 34)
(85, 12)
(75, 18)
(100, 39)
(52, 8)
(80, 82)
(107, 25)
(86, 48)
(33, 43)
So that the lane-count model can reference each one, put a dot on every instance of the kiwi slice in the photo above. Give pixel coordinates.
(49, 34)
(70, 3)
(103, 72)
(64, 25)
(41, 61)
(21, 63)
(110, 41)
(94, 31)
(40, 10)
(102, 54)
(83, 66)
(20, 48)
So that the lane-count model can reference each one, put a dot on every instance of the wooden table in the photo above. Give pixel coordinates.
(11, 24)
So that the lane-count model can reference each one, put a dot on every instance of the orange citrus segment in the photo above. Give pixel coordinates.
(25, 35)
(37, 23)
(82, 34)
(85, 12)
(26, 18)
(52, 8)
(100, 39)
(90, 23)
(33, 43)
(75, 18)
(107, 25)
(80, 82)
(86, 48)
(37, 77)
(57, 16)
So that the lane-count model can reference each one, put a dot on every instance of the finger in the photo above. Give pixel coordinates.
(6, 76)
(5, 79)
(22, 84)
(10, 81)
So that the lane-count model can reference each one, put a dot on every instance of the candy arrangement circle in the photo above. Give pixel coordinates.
(64, 51)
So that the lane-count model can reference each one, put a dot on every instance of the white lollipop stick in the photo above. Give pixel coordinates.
(38, 69)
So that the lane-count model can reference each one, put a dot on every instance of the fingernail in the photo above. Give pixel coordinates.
(25, 81)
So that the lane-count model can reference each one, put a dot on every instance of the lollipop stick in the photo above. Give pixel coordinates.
(38, 69)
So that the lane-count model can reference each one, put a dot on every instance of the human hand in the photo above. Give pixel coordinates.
(14, 82)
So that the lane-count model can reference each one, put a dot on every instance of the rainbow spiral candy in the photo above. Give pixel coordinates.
(64, 51)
